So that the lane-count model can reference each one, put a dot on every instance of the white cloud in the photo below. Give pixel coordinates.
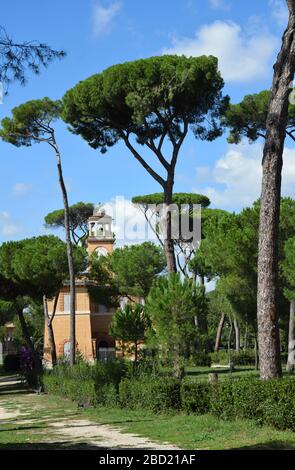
(219, 4)
(8, 227)
(129, 223)
(103, 17)
(237, 176)
(242, 57)
(20, 189)
(279, 11)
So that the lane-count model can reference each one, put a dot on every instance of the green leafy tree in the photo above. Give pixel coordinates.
(230, 249)
(146, 103)
(79, 214)
(172, 305)
(37, 267)
(130, 325)
(128, 271)
(32, 123)
(135, 267)
(248, 118)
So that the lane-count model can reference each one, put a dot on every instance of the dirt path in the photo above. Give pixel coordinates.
(43, 420)
(105, 436)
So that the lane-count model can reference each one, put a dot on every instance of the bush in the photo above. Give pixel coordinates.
(11, 363)
(201, 359)
(243, 358)
(195, 397)
(94, 384)
(268, 402)
(152, 393)
(83, 391)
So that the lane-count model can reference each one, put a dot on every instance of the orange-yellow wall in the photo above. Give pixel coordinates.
(91, 326)
(93, 244)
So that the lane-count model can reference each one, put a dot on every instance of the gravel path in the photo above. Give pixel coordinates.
(68, 430)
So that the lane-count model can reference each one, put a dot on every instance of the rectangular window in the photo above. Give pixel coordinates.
(102, 308)
(66, 302)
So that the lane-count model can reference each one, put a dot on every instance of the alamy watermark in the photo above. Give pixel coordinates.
(133, 223)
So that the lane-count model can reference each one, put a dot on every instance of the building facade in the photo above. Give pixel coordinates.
(92, 319)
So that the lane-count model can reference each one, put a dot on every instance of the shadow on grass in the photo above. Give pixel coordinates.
(66, 445)
(271, 445)
(22, 428)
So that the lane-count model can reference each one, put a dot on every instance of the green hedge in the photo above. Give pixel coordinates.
(153, 393)
(268, 402)
(92, 384)
(83, 391)
(194, 397)
(201, 359)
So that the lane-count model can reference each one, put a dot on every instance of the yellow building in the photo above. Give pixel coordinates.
(92, 319)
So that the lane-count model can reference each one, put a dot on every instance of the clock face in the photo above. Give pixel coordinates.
(101, 251)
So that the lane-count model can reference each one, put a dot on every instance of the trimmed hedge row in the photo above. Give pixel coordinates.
(268, 402)
(152, 393)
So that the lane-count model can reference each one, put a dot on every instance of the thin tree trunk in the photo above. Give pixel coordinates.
(229, 340)
(290, 362)
(48, 322)
(256, 353)
(237, 335)
(246, 336)
(70, 261)
(24, 327)
(268, 334)
(219, 332)
(168, 242)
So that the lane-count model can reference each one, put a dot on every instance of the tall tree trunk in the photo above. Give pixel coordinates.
(219, 332)
(168, 242)
(48, 323)
(25, 332)
(70, 261)
(290, 362)
(237, 335)
(268, 334)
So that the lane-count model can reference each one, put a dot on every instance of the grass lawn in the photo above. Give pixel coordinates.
(201, 373)
(30, 428)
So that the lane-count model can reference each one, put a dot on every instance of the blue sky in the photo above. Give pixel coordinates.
(96, 34)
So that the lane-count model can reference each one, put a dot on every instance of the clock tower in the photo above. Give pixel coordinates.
(100, 236)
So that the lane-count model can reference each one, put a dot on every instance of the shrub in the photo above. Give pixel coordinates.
(201, 359)
(83, 391)
(11, 363)
(268, 402)
(153, 393)
(195, 397)
(95, 384)
(243, 358)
